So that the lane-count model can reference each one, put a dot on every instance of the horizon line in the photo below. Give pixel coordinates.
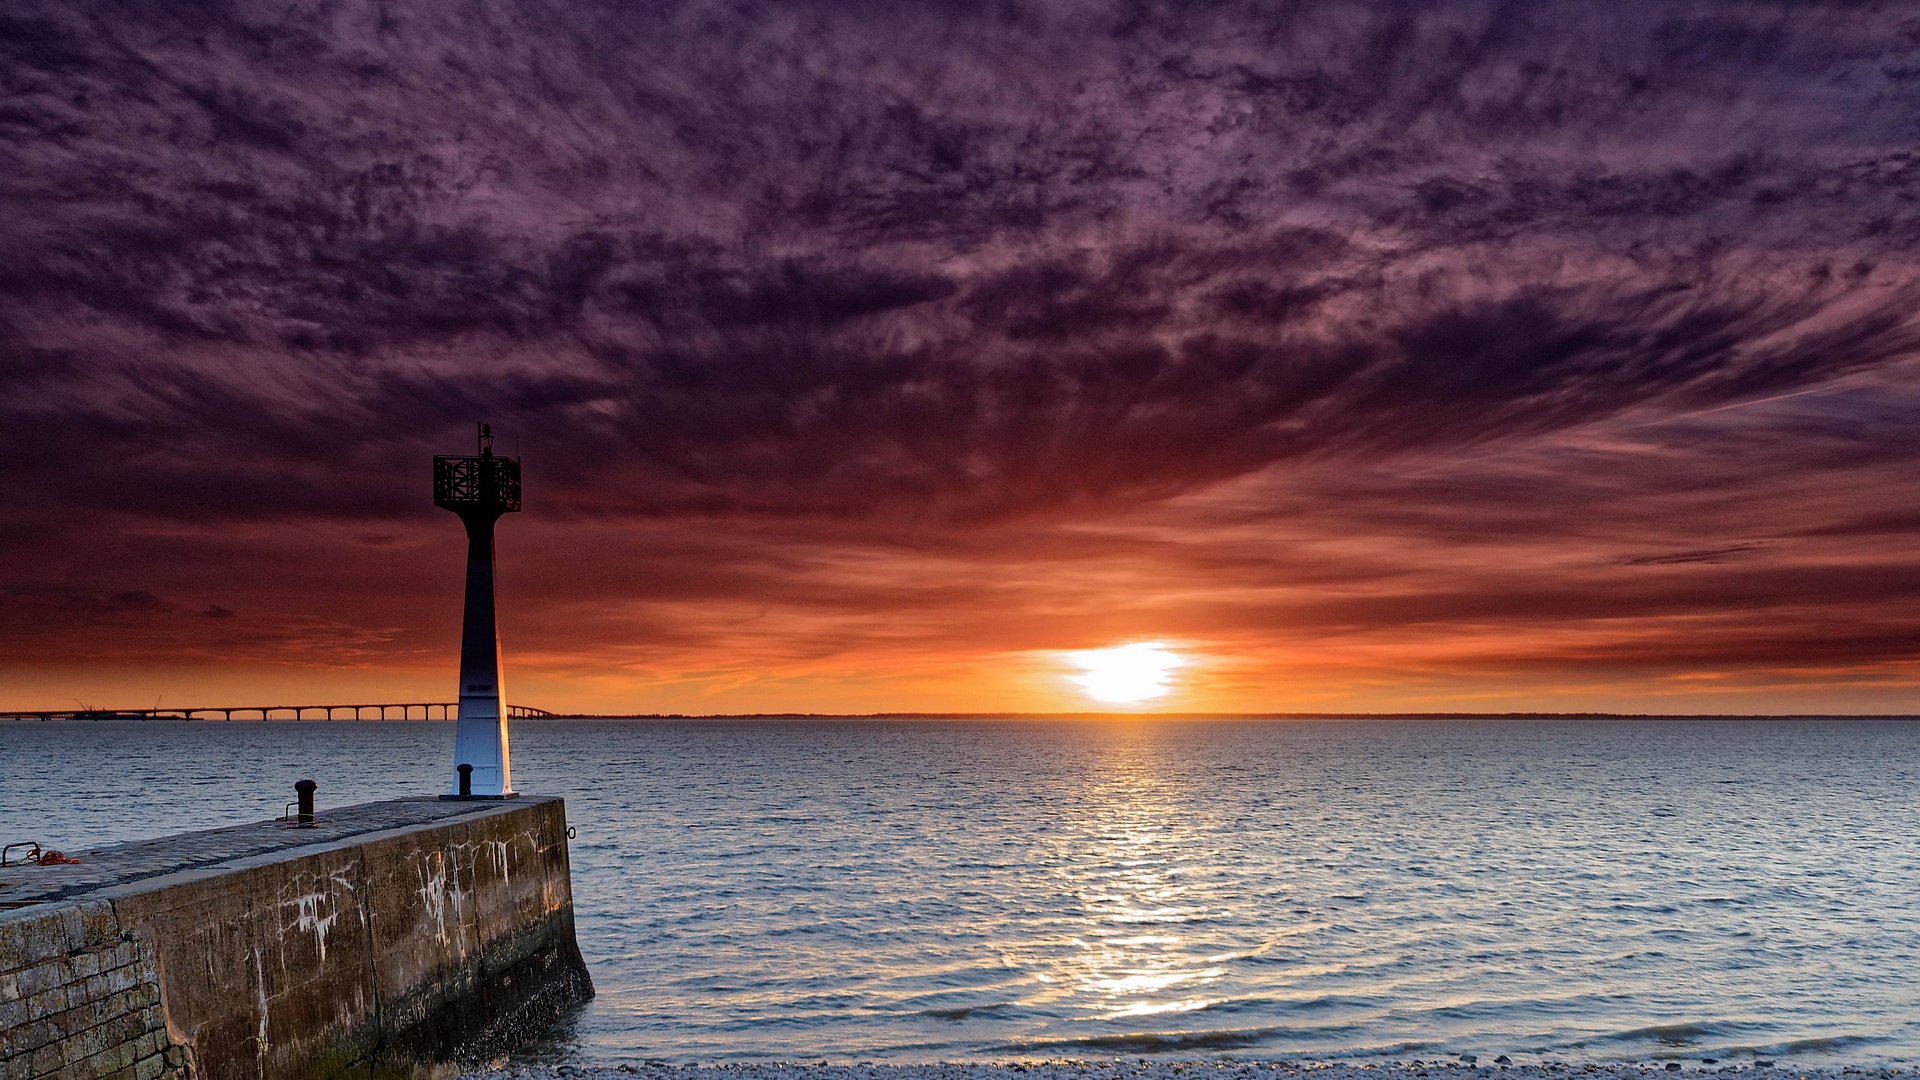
(107, 714)
(1091, 715)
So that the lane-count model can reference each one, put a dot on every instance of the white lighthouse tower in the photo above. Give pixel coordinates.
(480, 489)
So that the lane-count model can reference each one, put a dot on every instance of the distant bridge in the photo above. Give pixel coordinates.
(402, 710)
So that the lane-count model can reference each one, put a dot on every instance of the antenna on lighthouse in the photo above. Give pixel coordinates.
(480, 489)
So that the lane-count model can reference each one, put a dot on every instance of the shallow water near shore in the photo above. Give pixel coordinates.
(916, 891)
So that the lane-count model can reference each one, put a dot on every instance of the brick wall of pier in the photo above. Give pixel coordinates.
(395, 940)
(79, 998)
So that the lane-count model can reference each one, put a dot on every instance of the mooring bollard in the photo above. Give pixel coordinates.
(306, 789)
(466, 780)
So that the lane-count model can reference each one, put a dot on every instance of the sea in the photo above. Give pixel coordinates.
(854, 890)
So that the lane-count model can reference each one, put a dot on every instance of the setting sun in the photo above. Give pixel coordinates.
(1125, 674)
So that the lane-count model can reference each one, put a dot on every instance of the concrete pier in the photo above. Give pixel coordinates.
(393, 939)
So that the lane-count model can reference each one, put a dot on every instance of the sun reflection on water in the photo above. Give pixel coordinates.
(1138, 869)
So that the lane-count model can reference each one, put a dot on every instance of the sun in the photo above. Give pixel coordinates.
(1125, 674)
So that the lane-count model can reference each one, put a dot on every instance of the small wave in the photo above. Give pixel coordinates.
(1668, 1034)
(1147, 1042)
(1830, 1044)
(961, 1012)
(1270, 1005)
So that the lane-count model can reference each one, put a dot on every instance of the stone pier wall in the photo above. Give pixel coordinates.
(80, 999)
(398, 939)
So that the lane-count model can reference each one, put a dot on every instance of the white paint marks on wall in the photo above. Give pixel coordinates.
(498, 849)
(433, 891)
(311, 921)
(260, 1040)
(309, 908)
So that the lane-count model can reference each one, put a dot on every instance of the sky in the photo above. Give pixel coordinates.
(1535, 356)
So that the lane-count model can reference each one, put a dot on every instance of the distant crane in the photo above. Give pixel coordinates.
(480, 489)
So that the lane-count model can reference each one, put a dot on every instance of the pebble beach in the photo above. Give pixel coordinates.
(1147, 1069)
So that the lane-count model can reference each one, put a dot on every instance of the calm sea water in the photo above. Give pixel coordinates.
(858, 890)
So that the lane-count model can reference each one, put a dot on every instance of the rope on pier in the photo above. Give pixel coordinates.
(36, 856)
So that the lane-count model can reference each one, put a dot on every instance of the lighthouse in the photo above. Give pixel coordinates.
(480, 489)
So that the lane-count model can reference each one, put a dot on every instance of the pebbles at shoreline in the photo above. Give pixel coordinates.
(1146, 1069)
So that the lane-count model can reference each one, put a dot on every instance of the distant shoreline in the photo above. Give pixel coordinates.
(104, 714)
(1231, 716)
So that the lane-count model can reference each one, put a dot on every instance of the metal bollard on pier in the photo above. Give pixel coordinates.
(306, 789)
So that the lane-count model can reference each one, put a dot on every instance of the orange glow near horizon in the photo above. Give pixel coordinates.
(1300, 590)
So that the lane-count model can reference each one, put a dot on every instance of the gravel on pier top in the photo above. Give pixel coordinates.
(1149, 1069)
